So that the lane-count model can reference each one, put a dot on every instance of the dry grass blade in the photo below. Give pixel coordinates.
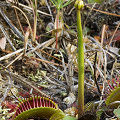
(104, 12)
(11, 54)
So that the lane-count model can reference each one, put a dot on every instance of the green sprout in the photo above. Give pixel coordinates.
(59, 4)
(79, 5)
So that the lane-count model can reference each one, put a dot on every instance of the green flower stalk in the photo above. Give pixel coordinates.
(79, 4)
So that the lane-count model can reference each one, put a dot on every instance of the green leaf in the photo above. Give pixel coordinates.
(67, 3)
(99, 112)
(117, 112)
(86, 30)
(57, 116)
(98, 1)
(95, 1)
(60, 3)
(91, 1)
(69, 118)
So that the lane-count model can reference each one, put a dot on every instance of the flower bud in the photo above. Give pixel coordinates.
(76, 3)
(79, 4)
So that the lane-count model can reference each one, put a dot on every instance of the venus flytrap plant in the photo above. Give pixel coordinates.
(113, 94)
(79, 5)
(39, 107)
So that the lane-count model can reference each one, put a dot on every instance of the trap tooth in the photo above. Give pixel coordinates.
(106, 94)
(107, 91)
(40, 102)
(111, 87)
(28, 104)
(49, 103)
(46, 103)
(24, 107)
(37, 101)
(116, 85)
(19, 110)
(43, 102)
(118, 79)
(33, 103)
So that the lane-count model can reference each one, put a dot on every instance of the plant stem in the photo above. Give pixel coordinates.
(57, 28)
(80, 66)
(35, 21)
